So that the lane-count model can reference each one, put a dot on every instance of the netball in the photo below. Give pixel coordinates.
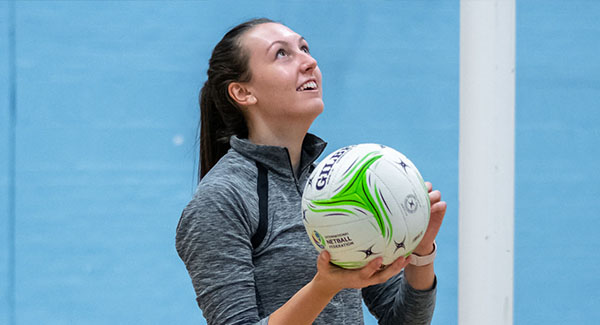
(365, 201)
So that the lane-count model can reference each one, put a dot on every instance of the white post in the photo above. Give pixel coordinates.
(486, 162)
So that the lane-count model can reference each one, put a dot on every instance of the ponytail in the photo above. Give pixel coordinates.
(211, 150)
(220, 117)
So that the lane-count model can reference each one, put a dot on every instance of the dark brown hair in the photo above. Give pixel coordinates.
(220, 117)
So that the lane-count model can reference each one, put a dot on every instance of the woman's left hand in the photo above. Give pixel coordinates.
(438, 210)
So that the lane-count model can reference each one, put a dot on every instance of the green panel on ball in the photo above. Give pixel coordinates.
(356, 193)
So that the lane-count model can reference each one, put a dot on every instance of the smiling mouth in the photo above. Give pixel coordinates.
(309, 85)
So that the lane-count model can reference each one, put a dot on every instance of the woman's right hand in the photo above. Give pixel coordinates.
(309, 302)
(331, 279)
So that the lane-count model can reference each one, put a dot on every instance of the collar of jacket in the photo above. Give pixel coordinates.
(277, 158)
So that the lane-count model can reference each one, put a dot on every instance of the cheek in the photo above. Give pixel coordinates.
(318, 73)
(274, 83)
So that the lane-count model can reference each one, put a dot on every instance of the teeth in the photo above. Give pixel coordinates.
(310, 84)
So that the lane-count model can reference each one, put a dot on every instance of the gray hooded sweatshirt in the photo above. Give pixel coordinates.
(236, 284)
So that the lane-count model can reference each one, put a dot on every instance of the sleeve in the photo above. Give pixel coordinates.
(213, 240)
(396, 302)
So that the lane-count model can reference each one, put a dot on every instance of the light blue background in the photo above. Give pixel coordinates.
(105, 149)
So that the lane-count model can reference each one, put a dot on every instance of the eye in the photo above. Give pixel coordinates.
(305, 49)
(281, 53)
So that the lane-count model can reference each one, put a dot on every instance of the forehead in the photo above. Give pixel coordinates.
(263, 35)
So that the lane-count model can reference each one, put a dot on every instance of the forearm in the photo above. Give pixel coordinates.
(420, 277)
(303, 307)
(397, 302)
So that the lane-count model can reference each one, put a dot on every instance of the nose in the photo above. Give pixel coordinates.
(308, 63)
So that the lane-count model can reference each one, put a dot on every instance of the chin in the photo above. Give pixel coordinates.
(317, 108)
(307, 109)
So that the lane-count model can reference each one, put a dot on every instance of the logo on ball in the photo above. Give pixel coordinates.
(410, 202)
(327, 167)
(318, 240)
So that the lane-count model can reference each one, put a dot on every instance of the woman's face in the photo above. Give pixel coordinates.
(286, 80)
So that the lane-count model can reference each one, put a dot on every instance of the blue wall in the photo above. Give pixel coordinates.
(5, 127)
(106, 155)
(557, 262)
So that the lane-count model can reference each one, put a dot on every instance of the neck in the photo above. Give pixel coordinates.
(290, 138)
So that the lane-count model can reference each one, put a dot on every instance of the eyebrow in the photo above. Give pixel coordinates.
(285, 42)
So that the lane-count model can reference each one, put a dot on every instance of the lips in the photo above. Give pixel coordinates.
(308, 85)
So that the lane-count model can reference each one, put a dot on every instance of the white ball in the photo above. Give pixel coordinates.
(365, 201)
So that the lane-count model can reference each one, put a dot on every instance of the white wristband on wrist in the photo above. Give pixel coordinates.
(417, 260)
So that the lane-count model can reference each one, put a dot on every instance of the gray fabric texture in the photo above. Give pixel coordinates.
(236, 284)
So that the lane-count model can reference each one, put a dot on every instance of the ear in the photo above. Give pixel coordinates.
(241, 94)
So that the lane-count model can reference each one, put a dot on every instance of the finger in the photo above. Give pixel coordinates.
(400, 263)
(429, 186)
(390, 271)
(368, 270)
(439, 208)
(435, 196)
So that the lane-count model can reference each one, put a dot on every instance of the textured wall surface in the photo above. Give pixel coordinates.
(557, 248)
(105, 147)
(6, 242)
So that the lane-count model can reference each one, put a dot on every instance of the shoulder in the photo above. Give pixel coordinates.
(233, 176)
(225, 194)
(231, 168)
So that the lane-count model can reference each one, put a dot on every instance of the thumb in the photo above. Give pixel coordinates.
(323, 260)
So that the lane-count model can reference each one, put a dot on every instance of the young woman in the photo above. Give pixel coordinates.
(262, 94)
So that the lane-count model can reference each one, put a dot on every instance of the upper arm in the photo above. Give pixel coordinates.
(213, 240)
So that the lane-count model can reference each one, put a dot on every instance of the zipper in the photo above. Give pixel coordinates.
(289, 160)
(301, 171)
